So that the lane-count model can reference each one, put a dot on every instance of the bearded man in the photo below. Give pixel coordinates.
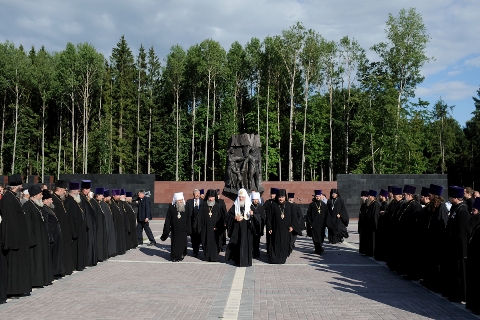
(55, 235)
(210, 224)
(79, 226)
(178, 224)
(39, 240)
(15, 262)
(243, 225)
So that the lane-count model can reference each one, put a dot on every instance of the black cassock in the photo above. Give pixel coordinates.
(79, 232)
(91, 221)
(241, 233)
(210, 224)
(132, 219)
(102, 250)
(337, 227)
(55, 235)
(473, 266)
(281, 218)
(434, 249)
(15, 246)
(110, 229)
(380, 235)
(128, 227)
(267, 206)
(179, 225)
(120, 229)
(404, 245)
(316, 223)
(66, 225)
(369, 227)
(458, 230)
(260, 211)
(40, 252)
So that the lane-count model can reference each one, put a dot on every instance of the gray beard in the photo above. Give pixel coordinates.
(52, 206)
(62, 197)
(210, 203)
(76, 197)
(180, 207)
(241, 203)
(38, 202)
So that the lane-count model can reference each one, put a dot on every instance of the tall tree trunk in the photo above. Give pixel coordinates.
(267, 131)
(16, 125)
(4, 107)
(177, 145)
(193, 136)
(258, 105)
(43, 140)
(206, 129)
(110, 165)
(278, 130)
(138, 122)
(213, 128)
(149, 132)
(59, 145)
(290, 137)
(330, 159)
(304, 126)
(73, 132)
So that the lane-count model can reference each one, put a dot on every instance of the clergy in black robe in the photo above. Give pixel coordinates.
(119, 221)
(91, 221)
(434, 250)
(469, 198)
(40, 252)
(193, 209)
(421, 230)
(380, 236)
(473, 260)
(102, 248)
(361, 213)
(258, 211)
(369, 224)
(109, 224)
(243, 225)
(222, 241)
(282, 223)
(337, 218)
(128, 227)
(404, 246)
(266, 206)
(14, 241)
(178, 224)
(55, 235)
(67, 224)
(393, 210)
(79, 227)
(132, 216)
(210, 224)
(455, 245)
(317, 221)
(298, 214)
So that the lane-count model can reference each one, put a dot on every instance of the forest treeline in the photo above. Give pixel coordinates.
(320, 106)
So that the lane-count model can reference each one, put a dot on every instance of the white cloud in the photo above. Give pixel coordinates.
(448, 90)
(475, 62)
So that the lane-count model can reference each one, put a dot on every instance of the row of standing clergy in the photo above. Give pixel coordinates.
(207, 220)
(426, 238)
(56, 233)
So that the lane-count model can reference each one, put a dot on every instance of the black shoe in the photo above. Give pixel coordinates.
(153, 243)
(195, 255)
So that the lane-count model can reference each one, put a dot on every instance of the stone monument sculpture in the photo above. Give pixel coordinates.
(244, 164)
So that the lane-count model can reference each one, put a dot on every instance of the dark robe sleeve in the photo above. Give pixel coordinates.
(230, 220)
(166, 226)
(294, 221)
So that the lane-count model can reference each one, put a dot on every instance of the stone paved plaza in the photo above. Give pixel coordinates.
(144, 284)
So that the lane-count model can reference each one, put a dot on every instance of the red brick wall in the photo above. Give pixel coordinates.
(164, 190)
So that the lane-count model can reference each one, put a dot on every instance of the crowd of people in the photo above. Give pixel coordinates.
(48, 234)
(205, 219)
(426, 238)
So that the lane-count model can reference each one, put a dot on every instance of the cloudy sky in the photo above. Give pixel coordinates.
(453, 25)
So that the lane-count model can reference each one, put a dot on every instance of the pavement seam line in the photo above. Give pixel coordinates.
(417, 283)
(232, 306)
